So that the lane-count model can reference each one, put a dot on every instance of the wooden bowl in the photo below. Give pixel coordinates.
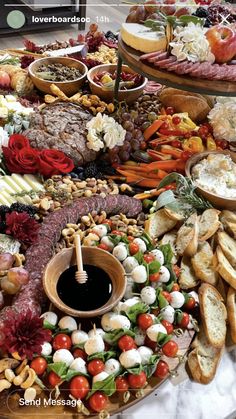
(91, 256)
(108, 95)
(217, 201)
(67, 87)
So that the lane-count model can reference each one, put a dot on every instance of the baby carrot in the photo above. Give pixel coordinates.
(152, 129)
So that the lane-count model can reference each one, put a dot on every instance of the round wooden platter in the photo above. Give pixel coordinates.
(193, 84)
(10, 406)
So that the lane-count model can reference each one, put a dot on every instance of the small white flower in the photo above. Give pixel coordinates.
(3, 138)
(104, 131)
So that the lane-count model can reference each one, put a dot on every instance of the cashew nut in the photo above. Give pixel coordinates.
(19, 379)
(30, 379)
(30, 394)
(9, 375)
(8, 363)
(19, 259)
(21, 366)
(68, 232)
(4, 384)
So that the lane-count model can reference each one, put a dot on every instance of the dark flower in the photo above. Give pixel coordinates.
(22, 227)
(24, 334)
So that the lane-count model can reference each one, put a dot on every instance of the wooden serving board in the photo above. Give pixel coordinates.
(10, 408)
(193, 84)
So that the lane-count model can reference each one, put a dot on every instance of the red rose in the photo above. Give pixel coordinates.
(54, 162)
(17, 142)
(22, 161)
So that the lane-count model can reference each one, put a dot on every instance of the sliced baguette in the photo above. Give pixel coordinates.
(187, 237)
(228, 246)
(228, 219)
(187, 278)
(213, 315)
(222, 287)
(208, 224)
(202, 263)
(203, 359)
(170, 238)
(173, 215)
(159, 223)
(231, 311)
(225, 269)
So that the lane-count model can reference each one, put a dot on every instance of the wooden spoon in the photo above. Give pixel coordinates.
(81, 275)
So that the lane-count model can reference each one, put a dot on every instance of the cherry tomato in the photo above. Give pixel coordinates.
(61, 341)
(167, 295)
(188, 134)
(203, 131)
(185, 155)
(154, 277)
(98, 401)
(79, 387)
(108, 222)
(176, 143)
(184, 321)
(222, 144)
(96, 366)
(103, 246)
(144, 321)
(150, 343)
(143, 145)
(117, 232)
(53, 379)
(121, 384)
(130, 238)
(176, 120)
(39, 365)
(149, 257)
(49, 335)
(170, 348)
(137, 380)
(170, 110)
(175, 287)
(126, 343)
(168, 326)
(79, 353)
(133, 248)
(165, 125)
(190, 304)
(162, 370)
(176, 270)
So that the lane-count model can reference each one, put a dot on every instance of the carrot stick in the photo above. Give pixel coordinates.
(148, 183)
(168, 165)
(135, 169)
(161, 173)
(149, 194)
(174, 152)
(142, 175)
(152, 129)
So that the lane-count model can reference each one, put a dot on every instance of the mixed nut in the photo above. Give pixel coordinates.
(58, 72)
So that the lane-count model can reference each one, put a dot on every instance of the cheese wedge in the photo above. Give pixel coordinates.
(34, 182)
(142, 38)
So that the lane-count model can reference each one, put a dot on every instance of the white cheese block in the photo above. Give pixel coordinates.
(142, 38)
(4, 185)
(6, 195)
(12, 183)
(21, 182)
(34, 182)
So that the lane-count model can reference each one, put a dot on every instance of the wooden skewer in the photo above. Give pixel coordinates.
(81, 275)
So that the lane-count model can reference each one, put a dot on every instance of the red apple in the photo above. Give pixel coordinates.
(222, 40)
(5, 80)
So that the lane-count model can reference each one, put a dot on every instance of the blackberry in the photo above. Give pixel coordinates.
(111, 36)
(18, 207)
(201, 12)
(4, 209)
(91, 170)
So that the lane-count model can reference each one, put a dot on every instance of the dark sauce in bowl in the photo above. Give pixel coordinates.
(84, 297)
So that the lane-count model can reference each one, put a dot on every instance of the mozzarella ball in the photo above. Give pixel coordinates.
(158, 256)
(67, 322)
(106, 321)
(164, 274)
(100, 230)
(141, 244)
(139, 337)
(120, 322)
(98, 331)
(100, 377)
(117, 309)
(168, 313)
(153, 317)
(94, 345)
(129, 303)
(129, 359)
(129, 264)
(145, 354)
(154, 330)
(79, 365)
(50, 317)
(112, 366)
(105, 240)
(190, 323)
(120, 252)
(148, 295)
(139, 274)
(129, 289)
(78, 337)
(194, 295)
(63, 355)
(46, 349)
(177, 299)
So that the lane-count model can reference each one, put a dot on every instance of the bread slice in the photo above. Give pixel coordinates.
(225, 269)
(170, 238)
(208, 223)
(213, 315)
(231, 310)
(228, 219)
(159, 223)
(222, 287)
(203, 359)
(187, 237)
(202, 263)
(228, 246)
(173, 215)
(187, 278)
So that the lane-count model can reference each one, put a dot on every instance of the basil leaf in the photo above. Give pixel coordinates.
(136, 309)
(115, 335)
(78, 346)
(107, 386)
(167, 253)
(148, 241)
(169, 286)
(173, 277)
(72, 373)
(139, 257)
(151, 366)
(162, 338)
(162, 302)
(135, 370)
(60, 368)
(115, 239)
(66, 331)
(48, 325)
(104, 356)
(48, 358)
(154, 267)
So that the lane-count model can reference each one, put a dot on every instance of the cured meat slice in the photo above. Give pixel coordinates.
(160, 57)
(165, 63)
(155, 54)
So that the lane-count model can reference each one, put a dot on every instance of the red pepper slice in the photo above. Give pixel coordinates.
(173, 132)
